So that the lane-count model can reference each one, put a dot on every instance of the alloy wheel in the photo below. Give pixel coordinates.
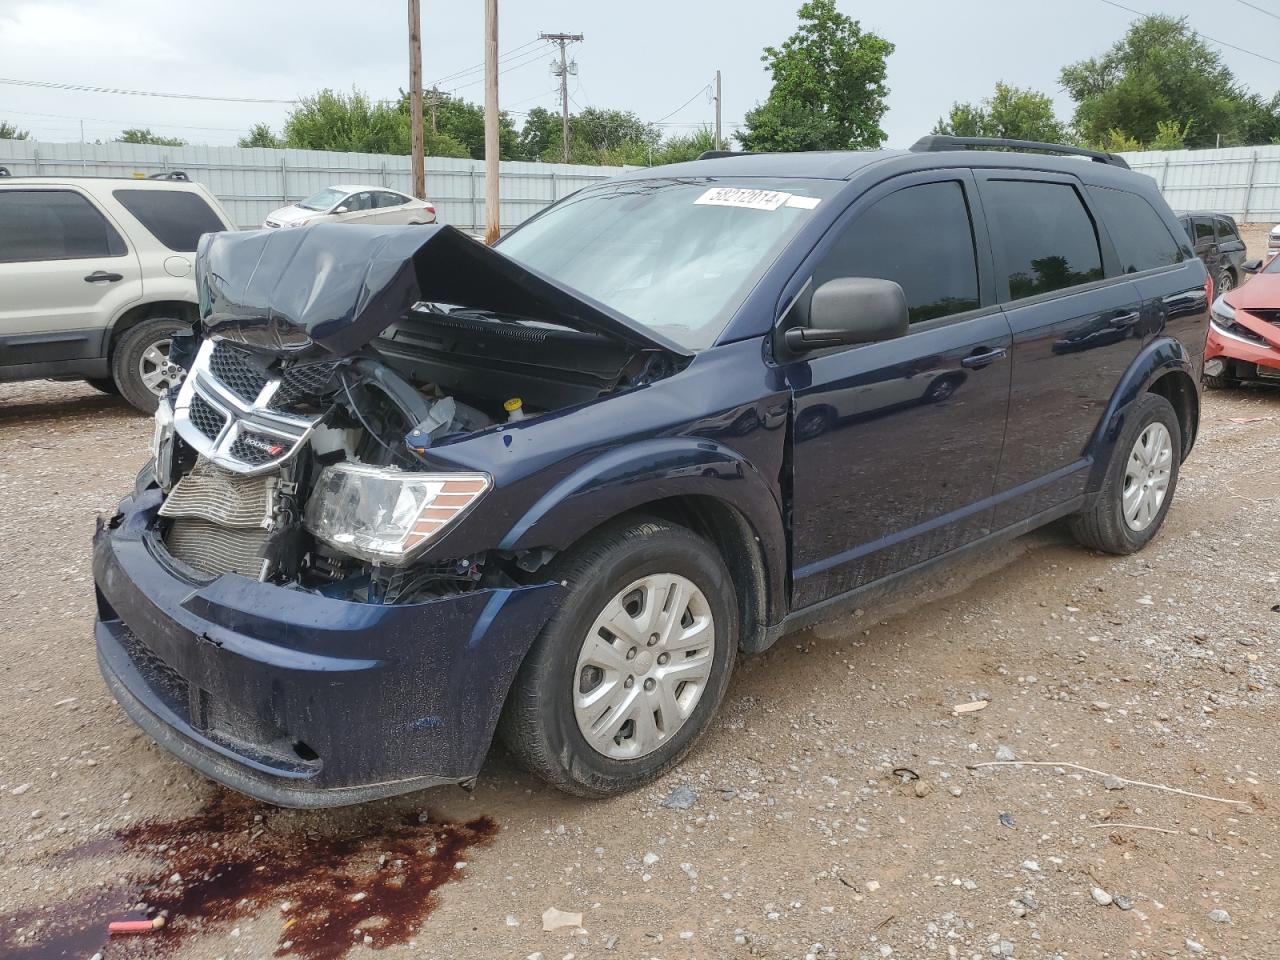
(644, 666)
(156, 371)
(1146, 476)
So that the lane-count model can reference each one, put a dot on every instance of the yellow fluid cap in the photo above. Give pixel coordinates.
(515, 403)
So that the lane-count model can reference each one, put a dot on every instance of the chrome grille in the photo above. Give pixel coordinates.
(205, 418)
(236, 370)
(304, 382)
(204, 390)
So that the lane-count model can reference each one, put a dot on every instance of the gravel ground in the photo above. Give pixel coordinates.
(809, 833)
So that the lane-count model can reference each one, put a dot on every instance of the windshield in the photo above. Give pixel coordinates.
(323, 200)
(677, 255)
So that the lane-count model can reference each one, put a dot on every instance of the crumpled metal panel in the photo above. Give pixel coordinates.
(328, 289)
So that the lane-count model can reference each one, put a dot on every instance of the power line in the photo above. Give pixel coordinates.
(86, 88)
(703, 89)
(514, 51)
(1221, 43)
(1259, 9)
(537, 56)
(121, 123)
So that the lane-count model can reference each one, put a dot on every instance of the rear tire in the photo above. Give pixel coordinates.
(139, 362)
(1225, 282)
(551, 712)
(1220, 383)
(1138, 478)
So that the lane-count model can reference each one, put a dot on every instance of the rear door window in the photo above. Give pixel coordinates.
(1141, 239)
(921, 237)
(177, 218)
(385, 199)
(1225, 232)
(54, 225)
(1043, 237)
(1204, 230)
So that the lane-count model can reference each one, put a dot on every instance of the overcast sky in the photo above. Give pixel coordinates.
(649, 57)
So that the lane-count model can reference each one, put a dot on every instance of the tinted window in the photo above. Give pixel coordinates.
(919, 237)
(1141, 239)
(53, 225)
(1044, 238)
(1225, 231)
(1204, 229)
(1186, 227)
(390, 199)
(176, 218)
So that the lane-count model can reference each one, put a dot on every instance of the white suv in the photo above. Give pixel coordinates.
(97, 276)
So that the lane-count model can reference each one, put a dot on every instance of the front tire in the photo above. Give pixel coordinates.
(1226, 282)
(631, 668)
(1140, 481)
(140, 362)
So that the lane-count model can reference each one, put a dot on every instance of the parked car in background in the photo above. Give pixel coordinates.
(1244, 330)
(1216, 240)
(96, 275)
(1273, 240)
(416, 490)
(353, 203)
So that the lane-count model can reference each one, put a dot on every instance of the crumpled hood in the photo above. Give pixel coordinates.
(331, 288)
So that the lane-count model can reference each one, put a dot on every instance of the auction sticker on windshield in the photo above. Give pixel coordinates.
(744, 197)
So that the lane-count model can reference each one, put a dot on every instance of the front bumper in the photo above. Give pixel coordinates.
(297, 699)
(1244, 359)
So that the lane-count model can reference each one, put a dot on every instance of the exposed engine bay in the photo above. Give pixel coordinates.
(293, 452)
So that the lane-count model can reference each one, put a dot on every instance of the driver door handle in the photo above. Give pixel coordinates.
(1124, 320)
(983, 356)
(101, 276)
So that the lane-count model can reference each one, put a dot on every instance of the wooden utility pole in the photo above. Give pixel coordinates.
(719, 139)
(493, 223)
(416, 149)
(563, 39)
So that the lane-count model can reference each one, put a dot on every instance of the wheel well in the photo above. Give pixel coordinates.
(1179, 389)
(178, 309)
(733, 536)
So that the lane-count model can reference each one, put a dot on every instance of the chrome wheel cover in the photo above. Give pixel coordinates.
(1146, 476)
(644, 666)
(156, 371)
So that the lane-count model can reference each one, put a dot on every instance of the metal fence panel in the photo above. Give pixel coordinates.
(251, 182)
(1241, 181)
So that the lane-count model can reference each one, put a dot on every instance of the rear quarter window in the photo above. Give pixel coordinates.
(42, 224)
(176, 218)
(1141, 239)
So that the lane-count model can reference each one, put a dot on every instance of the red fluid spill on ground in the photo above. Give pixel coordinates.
(377, 880)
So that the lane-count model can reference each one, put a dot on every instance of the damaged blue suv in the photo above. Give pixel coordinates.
(414, 491)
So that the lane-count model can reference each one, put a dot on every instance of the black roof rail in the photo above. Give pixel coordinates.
(717, 154)
(938, 142)
(180, 175)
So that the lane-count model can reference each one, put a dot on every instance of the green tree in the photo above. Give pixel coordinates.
(1161, 70)
(828, 86)
(686, 146)
(1010, 112)
(9, 132)
(535, 138)
(260, 135)
(338, 121)
(144, 135)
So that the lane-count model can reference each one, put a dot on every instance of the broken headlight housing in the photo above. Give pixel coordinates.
(385, 515)
(162, 444)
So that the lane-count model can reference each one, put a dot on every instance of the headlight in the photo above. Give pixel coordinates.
(1223, 312)
(384, 515)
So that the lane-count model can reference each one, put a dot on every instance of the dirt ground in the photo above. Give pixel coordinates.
(809, 834)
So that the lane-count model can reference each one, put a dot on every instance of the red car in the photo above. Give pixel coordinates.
(1244, 330)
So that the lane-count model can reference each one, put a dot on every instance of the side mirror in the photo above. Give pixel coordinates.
(342, 209)
(848, 311)
(1251, 266)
